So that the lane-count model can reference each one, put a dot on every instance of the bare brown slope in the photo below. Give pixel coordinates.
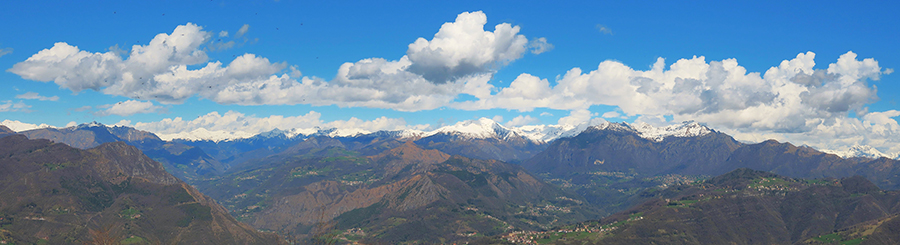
(405, 194)
(185, 162)
(56, 194)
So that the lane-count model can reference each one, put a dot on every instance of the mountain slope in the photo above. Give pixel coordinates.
(183, 161)
(804, 162)
(56, 194)
(747, 207)
(612, 165)
(404, 194)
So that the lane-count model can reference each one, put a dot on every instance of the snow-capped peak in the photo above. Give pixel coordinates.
(204, 134)
(90, 125)
(481, 128)
(686, 129)
(547, 133)
(287, 134)
(862, 151)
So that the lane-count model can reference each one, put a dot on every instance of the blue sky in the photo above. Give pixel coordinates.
(389, 84)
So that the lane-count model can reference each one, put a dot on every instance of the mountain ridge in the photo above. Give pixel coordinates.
(56, 194)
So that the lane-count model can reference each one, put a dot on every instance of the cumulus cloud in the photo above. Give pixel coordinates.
(877, 129)
(790, 99)
(223, 34)
(36, 96)
(460, 59)
(128, 108)
(521, 121)
(463, 48)
(10, 106)
(74, 69)
(539, 45)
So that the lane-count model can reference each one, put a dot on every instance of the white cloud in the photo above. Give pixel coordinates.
(242, 31)
(78, 70)
(790, 97)
(128, 108)
(460, 59)
(463, 48)
(540, 45)
(576, 117)
(36, 96)
(792, 100)
(497, 118)
(223, 34)
(521, 121)
(546, 114)
(9, 106)
(611, 114)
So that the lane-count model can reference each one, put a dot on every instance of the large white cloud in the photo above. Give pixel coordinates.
(461, 58)
(792, 100)
(463, 48)
(720, 92)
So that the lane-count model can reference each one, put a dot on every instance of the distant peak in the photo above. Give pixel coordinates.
(279, 133)
(90, 125)
(650, 132)
(864, 151)
(685, 129)
(481, 128)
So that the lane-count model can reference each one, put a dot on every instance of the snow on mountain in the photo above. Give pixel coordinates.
(343, 132)
(862, 151)
(475, 129)
(20, 126)
(203, 134)
(480, 129)
(547, 133)
(686, 129)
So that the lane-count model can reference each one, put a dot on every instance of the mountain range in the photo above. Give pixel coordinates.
(462, 182)
(184, 161)
(107, 194)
